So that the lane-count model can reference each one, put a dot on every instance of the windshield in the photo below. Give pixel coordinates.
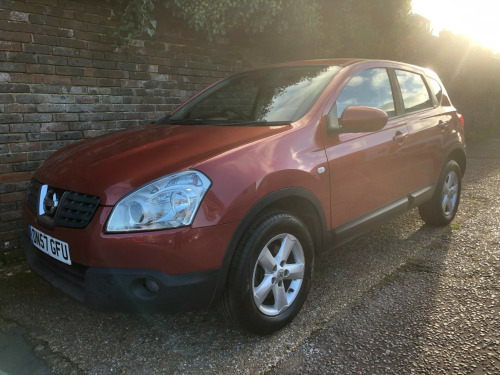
(266, 96)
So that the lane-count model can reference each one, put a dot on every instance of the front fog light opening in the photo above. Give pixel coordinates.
(145, 288)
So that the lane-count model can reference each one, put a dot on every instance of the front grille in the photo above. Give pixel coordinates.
(75, 209)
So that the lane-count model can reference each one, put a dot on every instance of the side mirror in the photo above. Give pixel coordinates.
(360, 119)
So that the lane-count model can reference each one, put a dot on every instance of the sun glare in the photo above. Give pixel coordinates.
(479, 19)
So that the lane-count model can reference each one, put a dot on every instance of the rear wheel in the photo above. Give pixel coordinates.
(270, 275)
(441, 209)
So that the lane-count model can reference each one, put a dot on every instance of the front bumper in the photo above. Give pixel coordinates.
(124, 289)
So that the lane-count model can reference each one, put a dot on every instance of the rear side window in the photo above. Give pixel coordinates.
(414, 91)
(370, 88)
(436, 89)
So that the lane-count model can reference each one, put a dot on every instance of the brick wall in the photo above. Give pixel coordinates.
(61, 81)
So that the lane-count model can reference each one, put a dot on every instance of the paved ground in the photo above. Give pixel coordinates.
(404, 299)
(439, 313)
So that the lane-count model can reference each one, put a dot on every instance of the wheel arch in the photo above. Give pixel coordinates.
(298, 202)
(458, 154)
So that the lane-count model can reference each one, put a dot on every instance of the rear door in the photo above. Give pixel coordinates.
(427, 126)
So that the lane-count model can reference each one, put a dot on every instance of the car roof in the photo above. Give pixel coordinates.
(335, 62)
(344, 62)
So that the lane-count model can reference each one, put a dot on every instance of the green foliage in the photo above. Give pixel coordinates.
(218, 17)
(135, 19)
(366, 28)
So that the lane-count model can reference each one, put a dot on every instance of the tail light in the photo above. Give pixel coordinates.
(461, 118)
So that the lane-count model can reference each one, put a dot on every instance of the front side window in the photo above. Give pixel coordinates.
(370, 88)
(273, 95)
(414, 92)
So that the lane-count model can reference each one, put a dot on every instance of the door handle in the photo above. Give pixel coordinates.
(399, 137)
(442, 125)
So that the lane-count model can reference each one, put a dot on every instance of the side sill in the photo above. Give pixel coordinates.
(354, 228)
(421, 196)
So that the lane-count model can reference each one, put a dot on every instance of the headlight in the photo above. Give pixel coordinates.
(169, 202)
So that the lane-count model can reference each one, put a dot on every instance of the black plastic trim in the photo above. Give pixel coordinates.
(69, 279)
(457, 147)
(76, 210)
(354, 228)
(124, 290)
(421, 196)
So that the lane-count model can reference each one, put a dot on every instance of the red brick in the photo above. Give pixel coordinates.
(43, 69)
(86, 35)
(10, 46)
(27, 166)
(75, 6)
(83, 81)
(12, 197)
(37, 49)
(24, 147)
(10, 235)
(73, 24)
(43, 20)
(26, 78)
(19, 108)
(55, 127)
(16, 36)
(6, 168)
(13, 157)
(46, 40)
(12, 138)
(12, 67)
(11, 216)
(95, 9)
(95, 46)
(87, 54)
(56, 80)
(29, 7)
(8, 207)
(14, 177)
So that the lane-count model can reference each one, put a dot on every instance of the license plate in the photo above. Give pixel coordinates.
(51, 246)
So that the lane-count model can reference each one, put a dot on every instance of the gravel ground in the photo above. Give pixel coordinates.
(404, 299)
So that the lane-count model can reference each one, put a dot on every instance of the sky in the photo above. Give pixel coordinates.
(477, 19)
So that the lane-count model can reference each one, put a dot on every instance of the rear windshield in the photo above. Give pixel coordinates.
(266, 96)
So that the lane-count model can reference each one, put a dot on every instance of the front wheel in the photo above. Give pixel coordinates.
(442, 207)
(270, 275)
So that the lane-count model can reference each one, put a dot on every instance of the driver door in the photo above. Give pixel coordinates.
(367, 170)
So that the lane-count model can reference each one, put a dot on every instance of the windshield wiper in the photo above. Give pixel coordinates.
(187, 121)
(261, 123)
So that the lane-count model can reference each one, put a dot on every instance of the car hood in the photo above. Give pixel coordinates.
(113, 165)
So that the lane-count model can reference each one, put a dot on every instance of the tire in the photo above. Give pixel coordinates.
(442, 207)
(270, 274)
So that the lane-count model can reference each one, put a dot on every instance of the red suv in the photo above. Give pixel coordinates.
(230, 197)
